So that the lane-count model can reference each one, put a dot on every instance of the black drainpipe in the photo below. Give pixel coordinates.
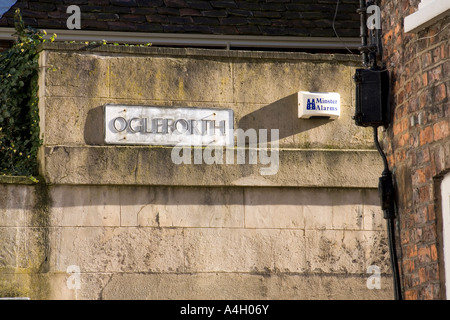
(373, 110)
(388, 205)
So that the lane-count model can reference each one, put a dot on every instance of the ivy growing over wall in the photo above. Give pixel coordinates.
(19, 113)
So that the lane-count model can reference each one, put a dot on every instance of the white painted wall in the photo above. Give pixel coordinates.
(445, 193)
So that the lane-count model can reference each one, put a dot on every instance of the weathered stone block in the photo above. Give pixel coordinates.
(373, 215)
(16, 205)
(91, 78)
(274, 208)
(334, 251)
(176, 78)
(194, 207)
(86, 207)
(229, 250)
(268, 81)
(112, 249)
(225, 286)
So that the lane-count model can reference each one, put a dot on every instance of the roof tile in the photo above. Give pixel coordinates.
(234, 17)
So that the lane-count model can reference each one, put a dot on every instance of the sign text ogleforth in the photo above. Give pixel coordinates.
(211, 131)
(168, 126)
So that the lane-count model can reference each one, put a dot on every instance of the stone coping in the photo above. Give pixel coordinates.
(153, 166)
(137, 50)
(17, 180)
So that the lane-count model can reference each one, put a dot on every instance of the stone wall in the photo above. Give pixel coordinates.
(137, 226)
(25, 238)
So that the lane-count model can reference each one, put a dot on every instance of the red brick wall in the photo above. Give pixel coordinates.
(418, 143)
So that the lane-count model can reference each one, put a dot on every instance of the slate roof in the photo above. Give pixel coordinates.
(302, 18)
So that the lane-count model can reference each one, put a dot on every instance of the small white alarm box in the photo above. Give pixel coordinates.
(319, 105)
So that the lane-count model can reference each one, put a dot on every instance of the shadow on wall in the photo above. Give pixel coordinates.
(94, 130)
(282, 115)
(209, 196)
(106, 196)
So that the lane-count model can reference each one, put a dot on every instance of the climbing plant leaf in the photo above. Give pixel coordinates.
(19, 113)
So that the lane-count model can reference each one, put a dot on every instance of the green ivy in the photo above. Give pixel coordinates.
(19, 113)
